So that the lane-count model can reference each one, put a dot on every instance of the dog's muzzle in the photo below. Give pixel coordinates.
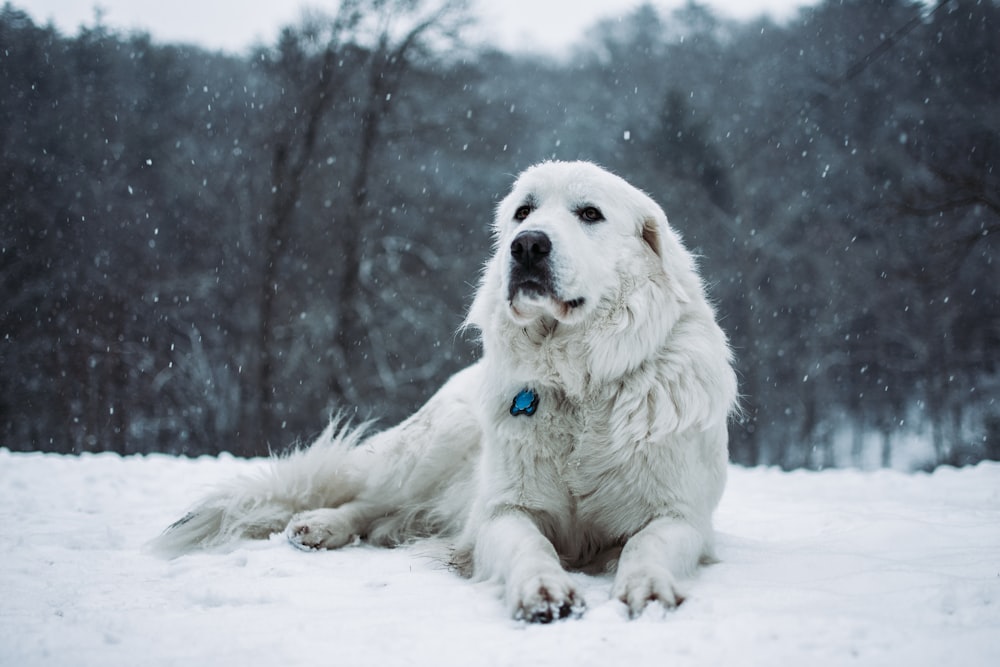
(530, 271)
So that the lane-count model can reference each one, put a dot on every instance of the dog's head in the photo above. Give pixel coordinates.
(567, 234)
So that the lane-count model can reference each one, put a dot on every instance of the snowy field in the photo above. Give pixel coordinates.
(832, 568)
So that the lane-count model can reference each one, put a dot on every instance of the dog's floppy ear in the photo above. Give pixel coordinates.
(663, 241)
(651, 234)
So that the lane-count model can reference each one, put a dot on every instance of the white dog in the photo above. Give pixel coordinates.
(592, 433)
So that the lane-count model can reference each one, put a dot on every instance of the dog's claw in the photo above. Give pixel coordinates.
(550, 613)
(549, 610)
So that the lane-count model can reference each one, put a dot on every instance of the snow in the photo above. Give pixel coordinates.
(832, 568)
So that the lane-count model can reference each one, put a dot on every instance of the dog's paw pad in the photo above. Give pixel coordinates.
(639, 593)
(319, 529)
(550, 611)
(549, 602)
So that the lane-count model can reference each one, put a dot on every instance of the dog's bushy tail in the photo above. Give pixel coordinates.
(325, 474)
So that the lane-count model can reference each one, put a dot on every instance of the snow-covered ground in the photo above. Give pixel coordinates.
(832, 568)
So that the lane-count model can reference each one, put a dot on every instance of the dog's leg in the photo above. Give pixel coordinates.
(652, 558)
(511, 549)
(330, 527)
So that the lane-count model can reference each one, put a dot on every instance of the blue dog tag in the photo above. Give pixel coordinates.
(525, 403)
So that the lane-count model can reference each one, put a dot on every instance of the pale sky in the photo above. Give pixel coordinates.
(234, 25)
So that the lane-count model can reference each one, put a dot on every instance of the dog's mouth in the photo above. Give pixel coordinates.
(529, 289)
(533, 292)
(529, 297)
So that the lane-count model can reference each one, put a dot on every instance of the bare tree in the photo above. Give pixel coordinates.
(405, 31)
(319, 68)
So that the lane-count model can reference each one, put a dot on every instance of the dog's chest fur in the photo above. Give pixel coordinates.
(595, 486)
(591, 462)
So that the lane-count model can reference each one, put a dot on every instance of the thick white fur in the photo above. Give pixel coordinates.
(622, 464)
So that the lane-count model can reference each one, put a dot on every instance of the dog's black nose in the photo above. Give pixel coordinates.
(530, 248)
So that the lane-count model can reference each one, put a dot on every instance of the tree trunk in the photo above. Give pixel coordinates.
(293, 152)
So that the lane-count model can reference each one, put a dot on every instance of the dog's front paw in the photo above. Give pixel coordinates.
(543, 599)
(320, 529)
(639, 589)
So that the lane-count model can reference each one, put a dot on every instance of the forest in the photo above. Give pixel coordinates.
(204, 252)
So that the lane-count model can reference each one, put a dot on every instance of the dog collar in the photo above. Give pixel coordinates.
(525, 403)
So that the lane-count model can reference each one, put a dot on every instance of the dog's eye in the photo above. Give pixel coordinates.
(590, 214)
(522, 212)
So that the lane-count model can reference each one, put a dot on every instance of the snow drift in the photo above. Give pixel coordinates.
(832, 568)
